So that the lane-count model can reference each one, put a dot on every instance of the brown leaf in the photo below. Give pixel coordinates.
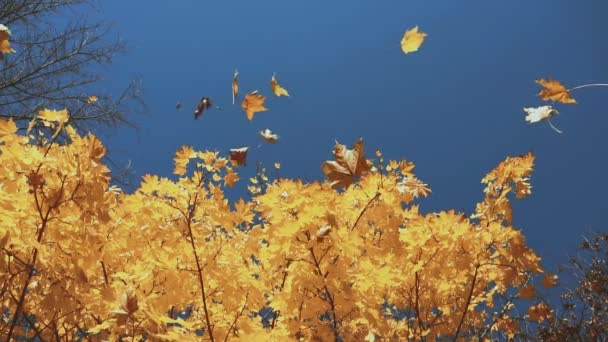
(238, 156)
(235, 85)
(204, 103)
(555, 91)
(347, 165)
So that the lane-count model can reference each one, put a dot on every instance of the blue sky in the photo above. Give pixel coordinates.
(454, 108)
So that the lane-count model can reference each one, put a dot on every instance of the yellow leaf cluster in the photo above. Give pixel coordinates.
(176, 260)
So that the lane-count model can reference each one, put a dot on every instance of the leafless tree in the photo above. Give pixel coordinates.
(59, 59)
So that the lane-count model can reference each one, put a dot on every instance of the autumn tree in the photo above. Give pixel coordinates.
(56, 63)
(177, 260)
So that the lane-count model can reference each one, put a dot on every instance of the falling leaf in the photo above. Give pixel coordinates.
(276, 88)
(60, 116)
(238, 156)
(235, 85)
(555, 91)
(412, 39)
(5, 45)
(203, 104)
(536, 114)
(268, 136)
(253, 103)
(92, 99)
(277, 165)
(347, 165)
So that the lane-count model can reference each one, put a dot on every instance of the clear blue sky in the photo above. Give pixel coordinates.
(454, 108)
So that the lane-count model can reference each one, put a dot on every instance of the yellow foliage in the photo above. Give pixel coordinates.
(176, 258)
(412, 40)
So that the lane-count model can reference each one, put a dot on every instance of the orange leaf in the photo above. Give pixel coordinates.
(253, 103)
(555, 91)
(276, 88)
(5, 45)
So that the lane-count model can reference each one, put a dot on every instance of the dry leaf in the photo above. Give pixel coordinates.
(5, 45)
(555, 91)
(253, 103)
(412, 39)
(92, 99)
(536, 114)
(347, 165)
(268, 136)
(204, 103)
(235, 85)
(238, 156)
(276, 88)
(541, 113)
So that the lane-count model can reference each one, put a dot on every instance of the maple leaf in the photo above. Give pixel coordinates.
(60, 116)
(412, 40)
(92, 99)
(203, 104)
(230, 178)
(7, 128)
(235, 85)
(182, 158)
(276, 88)
(253, 103)
(238, 156)
(268, 136)
(536, 114)
(347, 165)
(555, 91)
(5, 45)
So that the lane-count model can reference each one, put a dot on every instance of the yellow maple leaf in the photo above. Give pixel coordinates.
(5, 45)
(253, 103)
(412, 39)
(276, 88)
(7, 127)
(555, 91)
(60, 116)
(235, 85)
(277, 165)
(92, 99)
(182, 158)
